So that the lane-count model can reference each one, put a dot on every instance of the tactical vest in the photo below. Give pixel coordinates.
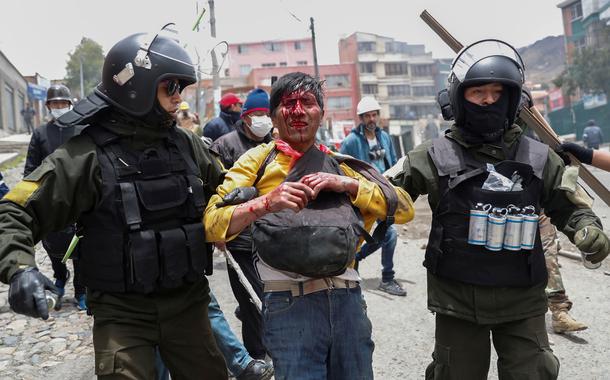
(146, 233)
(461, 177)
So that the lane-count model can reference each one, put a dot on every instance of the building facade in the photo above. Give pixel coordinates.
(13, 97)
(401, 76)
(246, 56)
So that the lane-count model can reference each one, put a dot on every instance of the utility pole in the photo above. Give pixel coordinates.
(315, 53)
(215, 74)
(82, 82)
(198, 89)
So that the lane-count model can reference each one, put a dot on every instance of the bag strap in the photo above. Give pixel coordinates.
(261, 170)
(372, 174)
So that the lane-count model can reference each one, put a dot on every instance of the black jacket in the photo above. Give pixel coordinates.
(220, 125)
(45, 140)
(232, 145)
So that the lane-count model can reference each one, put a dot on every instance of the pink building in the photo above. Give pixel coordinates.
(244, 57)
(341, 91)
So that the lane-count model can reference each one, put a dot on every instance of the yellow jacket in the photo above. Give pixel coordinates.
(370, 199)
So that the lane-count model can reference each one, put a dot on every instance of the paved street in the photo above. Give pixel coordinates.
(403, 328)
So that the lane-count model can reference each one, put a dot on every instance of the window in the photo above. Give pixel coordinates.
(339, 102)
(301, 63)
(365, 47)
(422, 70)
(283, 64)
(369, 89)
(397, 68)
(244, 70)
(242, 49)
(423, 110)
(367, 67)
(424, 91)
(396, 47)
(270, 64)
(398, 90)
(576, 11)
(9, 106)
(227, 72)
(298, 45)
(334, 81)
(273, 46)
(580, 43)
(399, 111)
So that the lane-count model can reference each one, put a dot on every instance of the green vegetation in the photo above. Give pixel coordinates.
(92, 56)
(12, 163)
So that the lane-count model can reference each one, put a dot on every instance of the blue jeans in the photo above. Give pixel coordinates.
(235, 354)
(388, 246)
(322, 335)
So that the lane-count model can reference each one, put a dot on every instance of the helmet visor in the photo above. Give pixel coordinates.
(472, 54)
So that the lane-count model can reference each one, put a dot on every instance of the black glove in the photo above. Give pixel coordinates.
(26, 294)
(584, 155)
(238, 196)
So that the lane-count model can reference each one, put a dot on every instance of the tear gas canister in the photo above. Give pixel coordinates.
(529, 228)
(496, 223)
(512, 232)
(477, 230)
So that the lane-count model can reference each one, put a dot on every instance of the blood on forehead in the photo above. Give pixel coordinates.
(294, 103)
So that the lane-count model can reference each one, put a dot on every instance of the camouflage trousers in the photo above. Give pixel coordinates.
(555, 291)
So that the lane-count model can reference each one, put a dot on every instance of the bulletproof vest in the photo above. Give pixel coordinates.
(146, 233)
(461, 177)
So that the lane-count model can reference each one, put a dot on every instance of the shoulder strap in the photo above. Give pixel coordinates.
(372, 174)
(533, 153)
(180, 138)
(448, 157)
(261, 170)
(84, 111)
(100, 135)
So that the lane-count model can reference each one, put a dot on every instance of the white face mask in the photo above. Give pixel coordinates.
(261, 125)
(57, 112)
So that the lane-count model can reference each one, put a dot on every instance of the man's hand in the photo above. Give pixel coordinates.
(594, 242)
(331, 182)
(26, 294)
(584, 155)
(292, 195)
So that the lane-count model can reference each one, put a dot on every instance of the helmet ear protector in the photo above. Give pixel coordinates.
(444, 103)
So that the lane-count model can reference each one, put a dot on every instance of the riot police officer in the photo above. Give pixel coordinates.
(137, 186)
(474, 291)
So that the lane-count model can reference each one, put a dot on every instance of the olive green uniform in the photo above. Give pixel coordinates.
(127, 326)
(465, 313)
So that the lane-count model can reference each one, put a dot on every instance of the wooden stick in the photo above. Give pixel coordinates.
(531, 116)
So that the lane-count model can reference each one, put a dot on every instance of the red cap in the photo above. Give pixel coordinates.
(229, 99)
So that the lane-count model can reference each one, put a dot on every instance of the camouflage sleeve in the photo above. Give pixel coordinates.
(66, 184)
(567, 215)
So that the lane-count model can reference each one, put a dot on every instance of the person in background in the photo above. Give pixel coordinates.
(230, 113)
(371, 144)
(28, 114)
(45, 140)
(188, 120)
(592, 135)
(3, 188)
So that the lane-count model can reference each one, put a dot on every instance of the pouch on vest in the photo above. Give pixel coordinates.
(200, 252)
(174, 257)
(144, 261)
(318, 241)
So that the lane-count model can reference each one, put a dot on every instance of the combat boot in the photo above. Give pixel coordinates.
(563, 322)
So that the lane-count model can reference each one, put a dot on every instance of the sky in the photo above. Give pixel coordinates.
(37, 35)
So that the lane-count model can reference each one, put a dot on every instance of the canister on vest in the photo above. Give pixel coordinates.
(512, 234)
(477, 229)
(496, 224)
(530, 227)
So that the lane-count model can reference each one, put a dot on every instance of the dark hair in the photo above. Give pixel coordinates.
(292, 82)
(591, 123)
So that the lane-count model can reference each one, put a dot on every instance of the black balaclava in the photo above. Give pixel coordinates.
(486, 123)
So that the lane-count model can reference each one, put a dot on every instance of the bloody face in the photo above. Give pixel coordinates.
(298, 118)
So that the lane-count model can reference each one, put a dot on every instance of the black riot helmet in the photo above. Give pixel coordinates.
(134, 67)
(481, 63)
(58, 92)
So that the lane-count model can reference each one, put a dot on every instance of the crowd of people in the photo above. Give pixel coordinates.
(146, 191)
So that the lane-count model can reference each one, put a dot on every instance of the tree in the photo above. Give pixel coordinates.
(589, 70)
(92, 57)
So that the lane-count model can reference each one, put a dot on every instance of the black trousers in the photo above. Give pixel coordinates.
(60, 272)
(252, 323)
